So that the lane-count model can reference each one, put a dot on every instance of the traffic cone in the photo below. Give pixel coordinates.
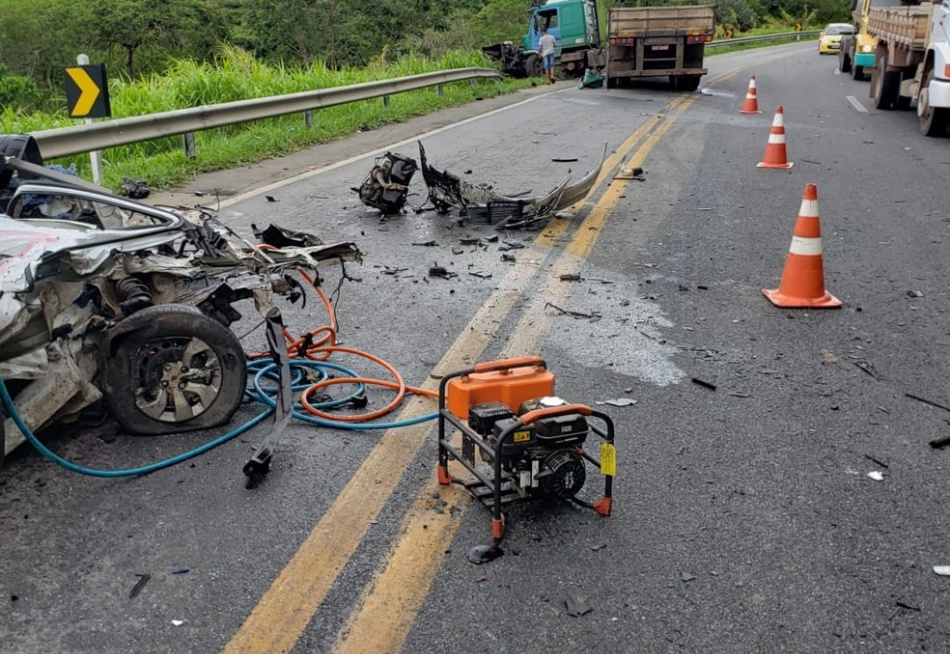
(751, 105)
(803, 281)
(775, 156)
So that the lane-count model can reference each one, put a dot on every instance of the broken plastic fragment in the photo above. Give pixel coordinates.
(178, 623)
(942, 570)
(620, 401)
(876, 476)
(577, 605)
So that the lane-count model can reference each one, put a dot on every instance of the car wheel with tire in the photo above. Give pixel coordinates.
(170, 368)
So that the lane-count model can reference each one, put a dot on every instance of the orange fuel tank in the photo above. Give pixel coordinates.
(510, 386)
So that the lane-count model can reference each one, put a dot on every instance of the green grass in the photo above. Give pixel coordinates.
(161, 163)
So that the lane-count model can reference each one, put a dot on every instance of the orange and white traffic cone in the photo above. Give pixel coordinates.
(751, 104)
(803, 281)
(775, 155)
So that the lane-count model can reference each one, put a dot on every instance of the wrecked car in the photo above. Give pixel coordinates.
(104, 298)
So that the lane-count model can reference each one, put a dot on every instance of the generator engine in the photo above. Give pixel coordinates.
(542, 456)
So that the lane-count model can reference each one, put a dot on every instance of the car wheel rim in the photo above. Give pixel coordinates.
(175, 379)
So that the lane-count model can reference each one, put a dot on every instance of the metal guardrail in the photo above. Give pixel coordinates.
(763, 37)
(66, 141)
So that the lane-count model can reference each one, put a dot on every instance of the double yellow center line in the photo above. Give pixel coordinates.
(379, 623)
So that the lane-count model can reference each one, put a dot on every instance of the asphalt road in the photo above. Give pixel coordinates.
(744, 518)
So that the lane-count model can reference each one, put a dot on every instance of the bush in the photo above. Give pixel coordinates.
(18, 93)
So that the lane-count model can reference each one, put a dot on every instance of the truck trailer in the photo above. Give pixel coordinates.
(913, 62)
(659, 41)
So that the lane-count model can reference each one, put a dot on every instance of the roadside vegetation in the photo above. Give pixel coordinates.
(188, 53)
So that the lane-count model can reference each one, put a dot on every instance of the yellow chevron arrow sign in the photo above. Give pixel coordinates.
(87, 92)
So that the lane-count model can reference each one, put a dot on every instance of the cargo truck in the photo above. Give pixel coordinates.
(574, 26)
(659, 41)
(641, 42)
(857, 54)
(913, 62)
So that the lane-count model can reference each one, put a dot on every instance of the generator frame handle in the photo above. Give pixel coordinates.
(507, 364)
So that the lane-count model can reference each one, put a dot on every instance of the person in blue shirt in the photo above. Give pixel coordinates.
(546, 47)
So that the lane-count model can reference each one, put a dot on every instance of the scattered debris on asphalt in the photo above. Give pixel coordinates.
(925, 401)
(687, 577)
(937, 443)
(593, 316)
(704, 384)
(134, 188)
(139, 585)
(942, 570)
(484, 554)
(577, 605)
(440, 271)
(880, 463)
(621, 401)
(876, 476)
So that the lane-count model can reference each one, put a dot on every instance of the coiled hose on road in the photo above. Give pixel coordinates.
(310, 373)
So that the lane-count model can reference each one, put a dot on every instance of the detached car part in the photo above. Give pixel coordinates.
(387, 185)
(104, 297)
(480, 202)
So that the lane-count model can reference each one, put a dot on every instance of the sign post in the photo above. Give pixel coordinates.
(87, 94)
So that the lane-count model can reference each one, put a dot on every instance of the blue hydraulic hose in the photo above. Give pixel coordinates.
(268, 369)
(127, 472)
(261, 369)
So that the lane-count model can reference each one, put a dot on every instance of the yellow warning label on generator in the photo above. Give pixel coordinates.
(608, 459)
(521, 436)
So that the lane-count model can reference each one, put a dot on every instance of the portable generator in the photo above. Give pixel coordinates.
(518, 440)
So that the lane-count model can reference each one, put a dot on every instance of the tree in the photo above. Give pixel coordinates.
(183, 28)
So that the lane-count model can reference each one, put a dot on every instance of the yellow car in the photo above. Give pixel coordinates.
(829, 41)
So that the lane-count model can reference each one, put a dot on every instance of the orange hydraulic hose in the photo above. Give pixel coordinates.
(321, 344)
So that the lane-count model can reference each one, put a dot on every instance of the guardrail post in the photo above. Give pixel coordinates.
(308, 119)
(385, 100)
(439, 91)
(188, 140)
(473, 81)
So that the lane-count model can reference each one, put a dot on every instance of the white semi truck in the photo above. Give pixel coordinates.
(913, 62)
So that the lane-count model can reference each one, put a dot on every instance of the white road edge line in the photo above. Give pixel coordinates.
(373, 153)
(857, 104)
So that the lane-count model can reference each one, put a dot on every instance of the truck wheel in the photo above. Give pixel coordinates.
(170, 368)
(887, 85)
(688, 83)
(934, 121)
(532, 66)
(844, 60)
